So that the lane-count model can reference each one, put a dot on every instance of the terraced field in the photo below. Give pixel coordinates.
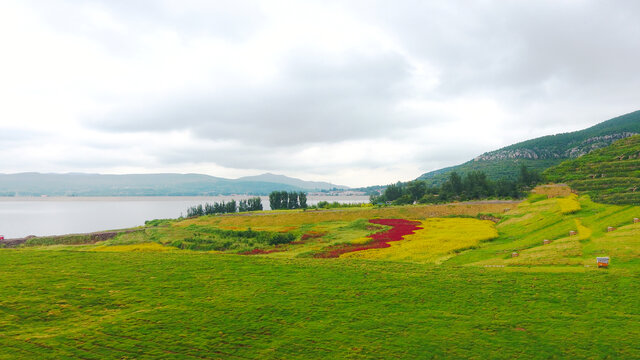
(609, 175)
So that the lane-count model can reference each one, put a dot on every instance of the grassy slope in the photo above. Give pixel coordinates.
(608, 175)
(58, 304)
(524, 229)
(543, 146)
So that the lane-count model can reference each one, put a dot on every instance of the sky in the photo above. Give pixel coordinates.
(356, 93)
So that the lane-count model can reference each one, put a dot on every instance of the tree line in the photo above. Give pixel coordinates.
(474, 185)
(251, 204)
(287, 200)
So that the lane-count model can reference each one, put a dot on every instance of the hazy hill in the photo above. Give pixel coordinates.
(609, 175)
(75, 184)
(544, 152)
(281, 179)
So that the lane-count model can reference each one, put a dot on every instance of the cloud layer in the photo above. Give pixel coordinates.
(357, 92)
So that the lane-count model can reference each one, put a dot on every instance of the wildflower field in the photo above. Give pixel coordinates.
(356, 283)
(436, 240)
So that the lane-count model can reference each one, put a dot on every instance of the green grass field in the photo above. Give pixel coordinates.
(88, 305)
(135, 296)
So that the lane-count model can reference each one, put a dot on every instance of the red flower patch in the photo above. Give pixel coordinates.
(260, 251)
(308, 236)
(400, 228)
(312, 235)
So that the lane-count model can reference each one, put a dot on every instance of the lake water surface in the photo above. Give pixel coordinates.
(22, 216)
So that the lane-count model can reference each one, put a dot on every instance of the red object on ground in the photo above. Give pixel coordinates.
(312, 235)
(260, 251)
(400, 228)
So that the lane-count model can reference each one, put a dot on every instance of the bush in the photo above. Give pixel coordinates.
(206, 239)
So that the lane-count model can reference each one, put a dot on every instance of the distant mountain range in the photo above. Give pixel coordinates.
(281, 179)
(544, 152)
(78, 184)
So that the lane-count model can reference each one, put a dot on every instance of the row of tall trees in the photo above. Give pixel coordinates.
(474, 185)
(287, 200)
(251, 204)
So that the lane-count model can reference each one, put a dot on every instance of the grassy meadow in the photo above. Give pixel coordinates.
(450, 289)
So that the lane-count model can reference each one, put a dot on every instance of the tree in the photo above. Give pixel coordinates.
(393, 191)
(528, 178)
(416, 189)
(254, 204)
(302, 197)
(452, 188)
(230, 207)
(476, 185)
(243, 206)
(275, 200)
(293, 200)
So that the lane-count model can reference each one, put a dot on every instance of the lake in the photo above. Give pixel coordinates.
(23, 216)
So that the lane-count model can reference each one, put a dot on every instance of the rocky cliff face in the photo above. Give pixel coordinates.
(574, 151)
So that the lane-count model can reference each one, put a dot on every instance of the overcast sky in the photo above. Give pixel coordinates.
(352, 92)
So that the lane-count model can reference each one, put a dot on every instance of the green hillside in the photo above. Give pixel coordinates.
(544, 152)
(609, 175)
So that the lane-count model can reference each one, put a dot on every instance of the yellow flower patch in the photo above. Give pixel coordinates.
(149, 246)
(361, 241)
(569, 204)
(438, 240)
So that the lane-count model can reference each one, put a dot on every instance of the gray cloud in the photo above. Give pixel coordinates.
(433, 83)
(315, 100)
(496, 44)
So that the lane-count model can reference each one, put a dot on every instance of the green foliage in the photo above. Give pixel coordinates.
(528, 178)
(279, 200)
(159, 222)
(608, 175)
(474, 185)
(532, 198)
(337, 205)
(251, 204)
(393, 191)
(207, 238)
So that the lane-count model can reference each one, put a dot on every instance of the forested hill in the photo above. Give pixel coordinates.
(544, 152)
(608, 175)
(76, 184)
